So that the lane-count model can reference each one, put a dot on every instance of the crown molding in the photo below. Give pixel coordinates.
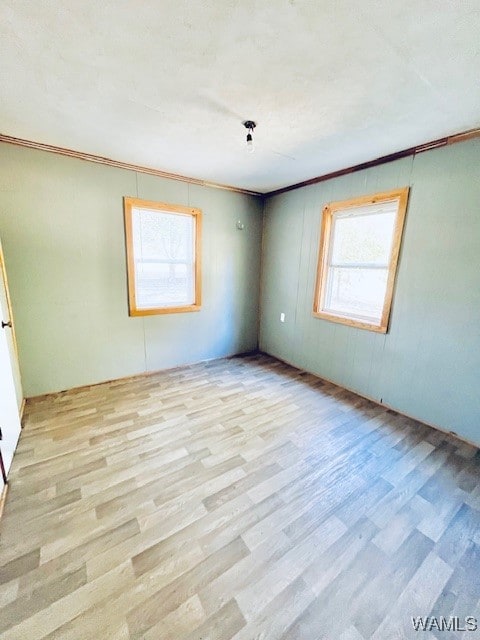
(433, 144)
(80, 155)
(441, 142)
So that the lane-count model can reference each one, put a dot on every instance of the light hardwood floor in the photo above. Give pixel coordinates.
(237, 499)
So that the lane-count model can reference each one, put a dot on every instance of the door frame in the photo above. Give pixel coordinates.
(12, 328)
(9, 302)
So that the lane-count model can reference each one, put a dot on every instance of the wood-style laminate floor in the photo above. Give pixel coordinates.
(239, 499)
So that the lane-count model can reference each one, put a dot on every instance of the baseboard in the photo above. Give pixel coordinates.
(22, 411)
(145, 374)
(375, 401)
(3, 498)
(291, 364)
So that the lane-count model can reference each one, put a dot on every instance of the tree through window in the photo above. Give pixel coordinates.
(163, 257)
(359, 249)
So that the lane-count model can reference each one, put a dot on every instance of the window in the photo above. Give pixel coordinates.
(359, 247)
(163, 257)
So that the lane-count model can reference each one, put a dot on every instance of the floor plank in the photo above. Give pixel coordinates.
(235, 499)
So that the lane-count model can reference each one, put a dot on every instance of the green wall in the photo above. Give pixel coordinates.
(428, 364)
(61, 225)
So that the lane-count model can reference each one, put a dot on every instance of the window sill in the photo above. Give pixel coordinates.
(358, 324)
(162, 310)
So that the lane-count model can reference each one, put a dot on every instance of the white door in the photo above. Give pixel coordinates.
(6, 316)
(9, 375)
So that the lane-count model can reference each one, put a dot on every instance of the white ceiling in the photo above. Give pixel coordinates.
(167, 83)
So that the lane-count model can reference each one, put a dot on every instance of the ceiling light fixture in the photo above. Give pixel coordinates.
(250, 126)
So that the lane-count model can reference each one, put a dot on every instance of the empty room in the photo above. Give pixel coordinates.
(240, 320)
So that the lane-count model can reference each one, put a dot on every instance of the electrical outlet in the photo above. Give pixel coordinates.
(282, 317)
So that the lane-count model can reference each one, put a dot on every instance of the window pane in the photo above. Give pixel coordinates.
(163, 245)
(164, 284)
(364, 238)
(161, 235)
(356, 293)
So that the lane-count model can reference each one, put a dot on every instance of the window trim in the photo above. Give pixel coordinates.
(129, 204)
(324, 251)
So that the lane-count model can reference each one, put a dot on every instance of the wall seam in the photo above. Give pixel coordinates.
(262, 266)
(143, 318)
(295, 332)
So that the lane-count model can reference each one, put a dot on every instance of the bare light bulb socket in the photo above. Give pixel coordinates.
(250, 126)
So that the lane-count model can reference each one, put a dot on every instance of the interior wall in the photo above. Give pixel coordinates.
(428, 364)
(62, 230)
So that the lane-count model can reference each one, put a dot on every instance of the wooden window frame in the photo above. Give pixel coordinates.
(137, 203)
(324, 252)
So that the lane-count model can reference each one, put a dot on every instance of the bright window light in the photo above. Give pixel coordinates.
(358, 257)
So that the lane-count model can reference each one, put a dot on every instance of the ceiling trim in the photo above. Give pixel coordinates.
(20, 142)
(433, 144)
(441, 142)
